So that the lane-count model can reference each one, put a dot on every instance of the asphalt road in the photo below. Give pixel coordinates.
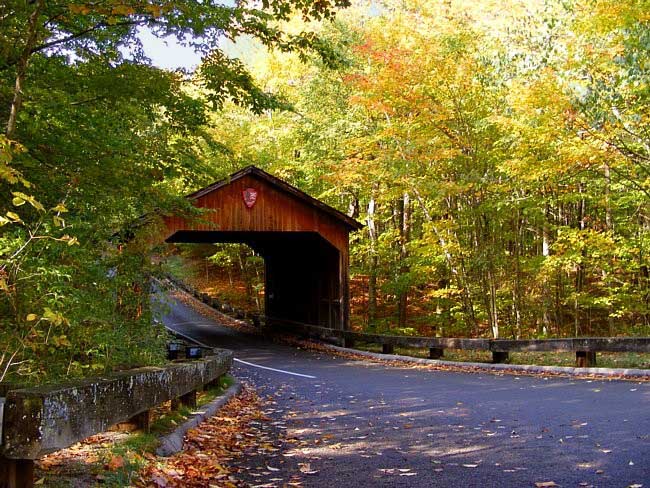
(364, 424)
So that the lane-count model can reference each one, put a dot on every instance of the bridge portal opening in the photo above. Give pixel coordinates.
(304, 243)
(301, 272)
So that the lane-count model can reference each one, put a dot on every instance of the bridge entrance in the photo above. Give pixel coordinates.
(304, 243)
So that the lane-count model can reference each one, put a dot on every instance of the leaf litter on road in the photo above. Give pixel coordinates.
(219, 451)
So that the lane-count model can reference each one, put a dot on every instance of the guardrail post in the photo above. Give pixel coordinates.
(387, 349)
(500, 357)
(16, 473)
(142, 421)
(215, 383)
(188, 400)
(585, 359)
(348, 342)
(436, 352)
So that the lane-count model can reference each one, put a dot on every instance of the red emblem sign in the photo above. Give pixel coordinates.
(250, 196)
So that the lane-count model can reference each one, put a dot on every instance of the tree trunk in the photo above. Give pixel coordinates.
(353, 206)
(516, 289)
(405, 233)
(609, 223)
(609, 227)
(580, 271)
(374, 260)
(21, 69)
(494, 316)
(546, 251)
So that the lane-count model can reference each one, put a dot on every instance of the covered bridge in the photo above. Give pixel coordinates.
(304, 243)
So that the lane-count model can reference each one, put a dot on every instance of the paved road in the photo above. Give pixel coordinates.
(363, 422)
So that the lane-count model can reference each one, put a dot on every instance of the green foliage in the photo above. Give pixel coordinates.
(498, 156)
(95, 139)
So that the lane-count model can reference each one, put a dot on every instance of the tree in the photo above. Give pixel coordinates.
(499, 160)
(95, 138)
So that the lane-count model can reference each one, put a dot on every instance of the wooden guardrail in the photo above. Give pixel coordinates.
(45, 419)
(584, 347)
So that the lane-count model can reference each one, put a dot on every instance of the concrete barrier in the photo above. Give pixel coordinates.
(44, 419)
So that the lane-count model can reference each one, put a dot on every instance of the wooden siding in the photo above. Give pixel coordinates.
(304, 281)
(274, 211)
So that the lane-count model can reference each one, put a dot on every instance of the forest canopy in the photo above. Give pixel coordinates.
(95, 137)
(498, 153)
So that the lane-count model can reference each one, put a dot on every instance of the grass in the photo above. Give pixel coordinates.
(170, 420)
(604, 359)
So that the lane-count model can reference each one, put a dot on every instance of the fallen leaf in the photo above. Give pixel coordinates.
(115, 463)
(305, 468)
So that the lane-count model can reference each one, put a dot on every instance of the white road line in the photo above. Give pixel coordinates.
(276, 370)
(239, 360)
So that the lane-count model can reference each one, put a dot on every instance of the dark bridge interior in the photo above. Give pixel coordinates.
(302, 272)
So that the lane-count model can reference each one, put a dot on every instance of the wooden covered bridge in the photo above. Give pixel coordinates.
(304, 243)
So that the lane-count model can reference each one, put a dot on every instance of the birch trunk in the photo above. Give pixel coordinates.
(405, 233)
(374, 260)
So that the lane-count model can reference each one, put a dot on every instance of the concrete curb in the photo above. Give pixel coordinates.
(527, 368)
(173, 443)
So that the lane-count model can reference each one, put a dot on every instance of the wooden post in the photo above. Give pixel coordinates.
(212, 384)
(500, 357)
(348, 342)
(585, 359)
(344, 287)
(387, 349)
(142, 421)
(16, 473)
(187, 400)
(436, 352)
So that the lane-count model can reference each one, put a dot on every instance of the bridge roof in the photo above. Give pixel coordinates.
(282, 186)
